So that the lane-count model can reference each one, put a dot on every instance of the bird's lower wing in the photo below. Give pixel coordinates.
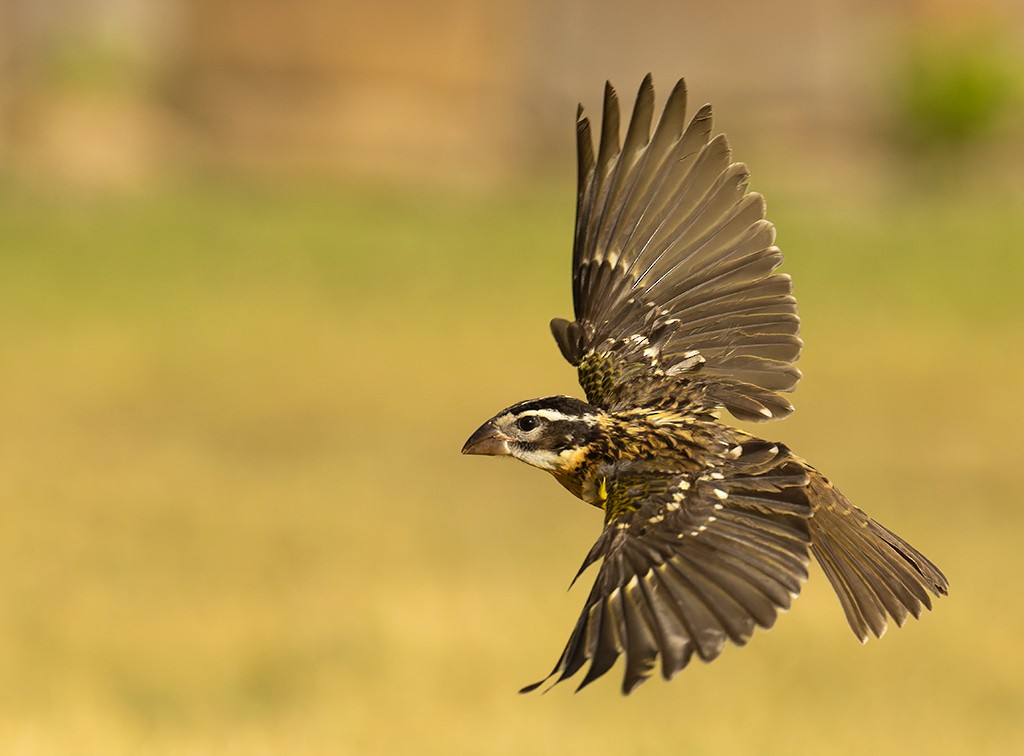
(690, 562)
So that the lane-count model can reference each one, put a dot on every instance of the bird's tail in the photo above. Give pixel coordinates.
(875, 573)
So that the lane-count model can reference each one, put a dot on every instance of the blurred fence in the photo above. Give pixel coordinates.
(115, 90)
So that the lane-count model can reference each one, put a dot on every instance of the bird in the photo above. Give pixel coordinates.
(680, 317)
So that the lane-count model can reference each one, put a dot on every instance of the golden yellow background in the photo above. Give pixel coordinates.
(263, 271)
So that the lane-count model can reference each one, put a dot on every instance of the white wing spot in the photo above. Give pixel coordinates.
(718, 506)
(717, 476)
(656, 519)
(711, 519)
(683, 485)
(735, 452)
(672, 506)
(720, 494)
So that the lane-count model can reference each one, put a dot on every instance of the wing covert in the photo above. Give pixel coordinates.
(673, 267)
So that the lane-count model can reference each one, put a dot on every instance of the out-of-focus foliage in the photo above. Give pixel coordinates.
(955, 89)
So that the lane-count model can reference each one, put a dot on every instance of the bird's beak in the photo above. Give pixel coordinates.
(487, 440)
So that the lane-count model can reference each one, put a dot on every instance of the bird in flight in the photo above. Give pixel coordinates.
(679, 315)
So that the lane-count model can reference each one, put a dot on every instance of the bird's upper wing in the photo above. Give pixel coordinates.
(673, 266)
(690, 562)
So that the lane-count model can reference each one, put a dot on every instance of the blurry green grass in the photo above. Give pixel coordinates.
(234, 516)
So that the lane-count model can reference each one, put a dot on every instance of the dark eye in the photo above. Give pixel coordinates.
(527, 423)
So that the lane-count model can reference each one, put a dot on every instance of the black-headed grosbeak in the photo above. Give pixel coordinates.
(708, 530)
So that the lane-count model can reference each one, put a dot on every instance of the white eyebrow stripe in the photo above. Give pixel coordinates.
(553, 414)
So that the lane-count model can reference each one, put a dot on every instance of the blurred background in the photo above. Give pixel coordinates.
(266, 265)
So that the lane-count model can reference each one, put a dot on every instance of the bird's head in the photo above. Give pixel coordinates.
(550, 433)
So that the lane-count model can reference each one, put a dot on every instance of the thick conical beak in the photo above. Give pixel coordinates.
(487, 440)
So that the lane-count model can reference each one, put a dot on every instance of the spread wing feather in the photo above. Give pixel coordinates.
(689, 563)
(673, 269)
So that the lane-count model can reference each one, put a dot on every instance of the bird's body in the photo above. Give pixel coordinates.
(676, 441)
(708, 530)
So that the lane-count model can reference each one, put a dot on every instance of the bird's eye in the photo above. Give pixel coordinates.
(527, 423)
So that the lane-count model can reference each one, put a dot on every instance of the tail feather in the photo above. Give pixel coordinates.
(876, 574)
